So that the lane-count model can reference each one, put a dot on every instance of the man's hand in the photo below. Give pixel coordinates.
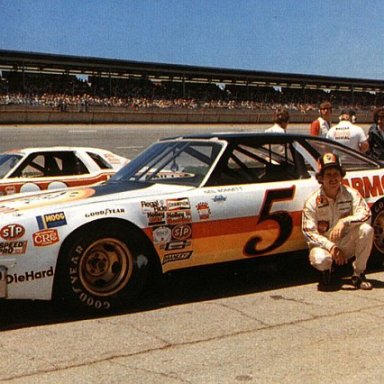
(337, 231)
(338, 256)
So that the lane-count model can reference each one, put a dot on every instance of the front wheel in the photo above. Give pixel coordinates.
(102, 268)
(377, 256)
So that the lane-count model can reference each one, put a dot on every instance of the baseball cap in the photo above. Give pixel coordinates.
(328, 160)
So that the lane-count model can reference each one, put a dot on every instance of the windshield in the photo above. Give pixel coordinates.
(173, 162)
(8, 162)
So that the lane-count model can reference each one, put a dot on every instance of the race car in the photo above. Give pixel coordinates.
(183, 202)
(35, 169)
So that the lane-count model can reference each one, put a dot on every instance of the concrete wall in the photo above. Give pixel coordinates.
(41, 115)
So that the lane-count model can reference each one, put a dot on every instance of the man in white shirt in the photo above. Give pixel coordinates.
(349, 134)
(280, 119)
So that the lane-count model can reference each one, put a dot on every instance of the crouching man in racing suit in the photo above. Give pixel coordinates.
(335, 224)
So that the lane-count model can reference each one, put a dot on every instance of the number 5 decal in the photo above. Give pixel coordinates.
(282, 218)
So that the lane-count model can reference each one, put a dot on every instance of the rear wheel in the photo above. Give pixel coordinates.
(102, 268)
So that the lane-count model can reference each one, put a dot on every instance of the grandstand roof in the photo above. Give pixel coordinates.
(30, 62)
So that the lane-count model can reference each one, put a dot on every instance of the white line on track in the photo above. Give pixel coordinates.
(131, 147)
(82, 131)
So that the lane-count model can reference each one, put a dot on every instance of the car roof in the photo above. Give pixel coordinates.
(28, 150)
(233, 136)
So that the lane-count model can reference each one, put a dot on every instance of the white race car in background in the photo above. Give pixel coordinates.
(183, 202)
(35, 169)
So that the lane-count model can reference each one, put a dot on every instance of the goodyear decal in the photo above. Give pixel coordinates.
(51, 220)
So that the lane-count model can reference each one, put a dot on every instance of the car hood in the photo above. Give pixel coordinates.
(72, 197)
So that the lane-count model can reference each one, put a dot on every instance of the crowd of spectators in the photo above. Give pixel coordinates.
(64, 92)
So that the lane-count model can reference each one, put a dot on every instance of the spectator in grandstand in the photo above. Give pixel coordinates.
(322, 124)
(376, 135)
(349, 134)
(280, 120)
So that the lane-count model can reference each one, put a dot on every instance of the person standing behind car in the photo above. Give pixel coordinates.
(376, 135)
(281, 120)
(322, 124)
(349, 134)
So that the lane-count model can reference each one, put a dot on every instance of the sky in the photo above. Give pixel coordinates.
(318, 37)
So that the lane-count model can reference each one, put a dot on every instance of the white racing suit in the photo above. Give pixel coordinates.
(321, 214)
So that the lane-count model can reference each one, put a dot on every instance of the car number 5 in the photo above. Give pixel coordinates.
(283, 219)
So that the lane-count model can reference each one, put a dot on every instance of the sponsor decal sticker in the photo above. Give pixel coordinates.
(153, 206)
(29, 276)
(182, 232)
(105, 212)
(176, 256)
(219, 199)
(203, 210)
(13, 247)
(12, 232)
(176, 204)
(51, 220)
(45, 237)
(179, 217)
(161, 235)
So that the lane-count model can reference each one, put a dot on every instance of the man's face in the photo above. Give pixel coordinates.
(325, 113)
(332, 180)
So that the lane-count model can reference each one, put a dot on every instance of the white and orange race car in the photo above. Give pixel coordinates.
(35, 169)
(183, 202)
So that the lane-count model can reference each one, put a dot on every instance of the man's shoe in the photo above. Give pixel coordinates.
(325, 283)
(360, 281)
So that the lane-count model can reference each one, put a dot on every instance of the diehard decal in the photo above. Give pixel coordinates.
(29, 276)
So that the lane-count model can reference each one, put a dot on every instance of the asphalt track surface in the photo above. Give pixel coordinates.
(259, 321)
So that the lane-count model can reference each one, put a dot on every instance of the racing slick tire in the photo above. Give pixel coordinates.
(102, 268)
(377, 222)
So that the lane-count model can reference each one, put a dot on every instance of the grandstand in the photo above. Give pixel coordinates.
(38, 87)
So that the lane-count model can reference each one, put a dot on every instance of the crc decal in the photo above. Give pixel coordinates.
(13, 247)
(51, 220)
(182, 232)
(45, 237)
(12, 232)
(176, 257)
(203, 210)
(29, 276)
(105, 212)
(282, 218)
(162, 235)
